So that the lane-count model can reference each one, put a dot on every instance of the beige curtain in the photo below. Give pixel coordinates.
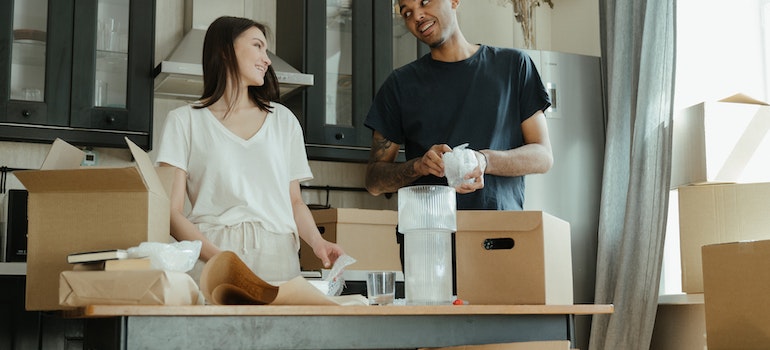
(637, 39)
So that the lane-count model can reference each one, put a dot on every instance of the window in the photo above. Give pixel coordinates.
(765, 23)
(722, 48)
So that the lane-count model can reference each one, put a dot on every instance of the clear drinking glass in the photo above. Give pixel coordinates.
(100, 93)
(381, 287)
(28, 50)
(112, 27)
(32, 94)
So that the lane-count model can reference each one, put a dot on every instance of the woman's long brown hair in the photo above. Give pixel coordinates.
(219, 62)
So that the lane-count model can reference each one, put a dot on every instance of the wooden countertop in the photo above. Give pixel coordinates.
(303, 310)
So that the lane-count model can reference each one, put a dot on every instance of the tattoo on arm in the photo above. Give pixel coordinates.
(383, 174)
(379, 146)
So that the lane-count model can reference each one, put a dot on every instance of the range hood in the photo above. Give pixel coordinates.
(181, 75)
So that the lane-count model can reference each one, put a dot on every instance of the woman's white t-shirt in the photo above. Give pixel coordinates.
(231, 180)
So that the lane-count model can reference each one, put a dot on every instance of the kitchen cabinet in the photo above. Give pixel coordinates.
(350, 46)
(77, 70)
(22, 329)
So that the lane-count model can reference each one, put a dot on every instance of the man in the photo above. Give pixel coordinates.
(491, 98)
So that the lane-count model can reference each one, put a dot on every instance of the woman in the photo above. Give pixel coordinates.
(239, 157)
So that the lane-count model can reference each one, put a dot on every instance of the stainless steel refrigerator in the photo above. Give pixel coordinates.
(571, 190)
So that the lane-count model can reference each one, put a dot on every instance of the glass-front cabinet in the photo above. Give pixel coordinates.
(350, 46)
(80, 70)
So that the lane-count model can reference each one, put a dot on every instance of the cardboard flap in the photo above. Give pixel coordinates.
(498, 220)
(743, 98)
(62, 155)
(146, 169)
(81, 180)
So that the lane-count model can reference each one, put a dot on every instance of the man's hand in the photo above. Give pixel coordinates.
(477, 174)
(432, 162)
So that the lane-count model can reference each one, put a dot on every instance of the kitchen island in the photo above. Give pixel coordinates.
(325, 327)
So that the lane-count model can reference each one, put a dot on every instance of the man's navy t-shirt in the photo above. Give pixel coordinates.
(481, 101)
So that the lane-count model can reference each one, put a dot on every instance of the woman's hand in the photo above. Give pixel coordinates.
(327, 252)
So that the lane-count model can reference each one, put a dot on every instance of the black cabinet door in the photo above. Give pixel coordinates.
(35, 64)
(347, 46)
(130, 68)
(97, 58)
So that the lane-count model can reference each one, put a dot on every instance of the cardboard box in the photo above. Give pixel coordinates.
(736, 282)
(680, 323)
(718, 213)
(723, 141)
(136, 287)
(530, 345)
(369, 236)
(73, 209)
(513, 257)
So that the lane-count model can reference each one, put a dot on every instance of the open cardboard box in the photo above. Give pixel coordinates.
(73, 209)
(722, 141)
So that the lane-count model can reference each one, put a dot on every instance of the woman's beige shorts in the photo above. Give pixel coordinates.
(272, 256)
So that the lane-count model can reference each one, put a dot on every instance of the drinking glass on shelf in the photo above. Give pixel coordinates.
(100, 25)
(100, 93)
(32, 94)
(112, 39)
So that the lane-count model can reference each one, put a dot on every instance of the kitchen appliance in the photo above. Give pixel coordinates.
(15, 235)
(571, 190)
(181, 75)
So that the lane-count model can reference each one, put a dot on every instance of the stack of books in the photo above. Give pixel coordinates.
(107, 260)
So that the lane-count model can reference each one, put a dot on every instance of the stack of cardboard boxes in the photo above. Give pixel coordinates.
(502, 257)
(720, 168)
(525, 255)
(75, 209)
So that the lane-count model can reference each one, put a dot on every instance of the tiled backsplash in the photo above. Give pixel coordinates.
(344, 175)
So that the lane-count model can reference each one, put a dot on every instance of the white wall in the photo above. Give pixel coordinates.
(575, 27)
(571, 26)
(498, 26)
(169, 27)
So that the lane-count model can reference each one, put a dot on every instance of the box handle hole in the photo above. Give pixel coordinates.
(498, 243)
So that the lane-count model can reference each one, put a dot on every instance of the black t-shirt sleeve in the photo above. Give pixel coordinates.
(534, 96)
(384, 114)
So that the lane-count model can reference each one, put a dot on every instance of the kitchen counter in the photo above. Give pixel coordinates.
(323, 310)
(326, 327)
